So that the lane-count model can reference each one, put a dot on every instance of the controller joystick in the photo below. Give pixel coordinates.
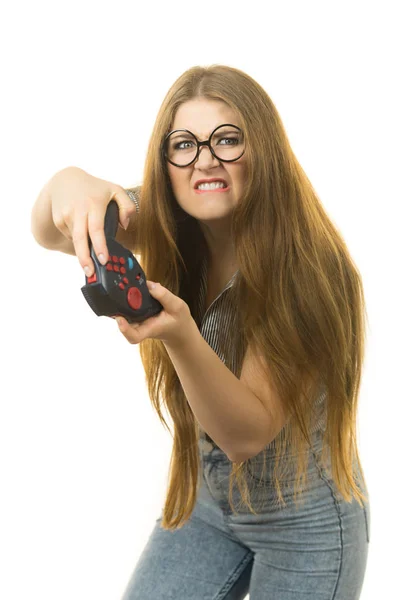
(118, 288)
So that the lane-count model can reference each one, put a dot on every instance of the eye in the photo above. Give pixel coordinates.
(234, 141)
(178, 145)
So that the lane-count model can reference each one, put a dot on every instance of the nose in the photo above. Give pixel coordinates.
(205, 158)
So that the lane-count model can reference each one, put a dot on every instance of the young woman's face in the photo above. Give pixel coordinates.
(201, 116)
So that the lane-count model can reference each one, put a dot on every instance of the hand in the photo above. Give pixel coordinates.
(79, 203)
(170, 325)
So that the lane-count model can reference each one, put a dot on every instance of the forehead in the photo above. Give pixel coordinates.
(201, 116)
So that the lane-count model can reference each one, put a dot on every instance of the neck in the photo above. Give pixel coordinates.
(220, 246)
(222, 262)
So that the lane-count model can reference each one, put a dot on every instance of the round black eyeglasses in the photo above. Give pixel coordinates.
(181, 147)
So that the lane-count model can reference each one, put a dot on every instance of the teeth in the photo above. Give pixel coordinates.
(211, 186)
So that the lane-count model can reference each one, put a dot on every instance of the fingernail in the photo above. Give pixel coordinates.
(102, 259)
(87, 271)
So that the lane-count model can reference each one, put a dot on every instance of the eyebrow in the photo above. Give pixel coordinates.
(183, 133)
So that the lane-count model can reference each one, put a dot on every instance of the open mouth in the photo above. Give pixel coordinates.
(211, 187)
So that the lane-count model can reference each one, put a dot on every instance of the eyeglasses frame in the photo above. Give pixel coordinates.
(199, 144)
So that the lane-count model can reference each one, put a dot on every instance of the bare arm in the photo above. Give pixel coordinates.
(47, 235)
(73, 201)
(231, 414)
(42, 225)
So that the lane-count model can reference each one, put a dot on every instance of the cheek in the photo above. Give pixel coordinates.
(180, 183)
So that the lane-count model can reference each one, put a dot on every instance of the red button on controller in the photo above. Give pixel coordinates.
(134, 298)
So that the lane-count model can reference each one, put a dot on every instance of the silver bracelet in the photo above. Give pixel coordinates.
(133, 197)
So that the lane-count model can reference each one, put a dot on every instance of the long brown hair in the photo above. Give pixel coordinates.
(298, 294)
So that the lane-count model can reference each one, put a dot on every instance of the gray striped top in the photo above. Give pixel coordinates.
(220, 314)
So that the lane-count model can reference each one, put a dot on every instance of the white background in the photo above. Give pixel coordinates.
(83, 456)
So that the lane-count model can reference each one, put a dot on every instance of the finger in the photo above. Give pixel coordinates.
(96, 232)
(126, 207)
(80, 241)
(128, 330)
(170, 302)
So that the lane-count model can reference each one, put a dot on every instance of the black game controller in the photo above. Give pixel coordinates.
(119, 287)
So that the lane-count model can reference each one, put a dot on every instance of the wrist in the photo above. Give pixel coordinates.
(134, 199)
(185, 340)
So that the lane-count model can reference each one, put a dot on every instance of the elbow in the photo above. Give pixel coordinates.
(245, 453)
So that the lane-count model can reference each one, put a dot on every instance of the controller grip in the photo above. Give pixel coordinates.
(119, 287)
(98, 299)
(111, 220)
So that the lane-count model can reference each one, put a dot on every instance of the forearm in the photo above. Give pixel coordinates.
(42, 225)
(225, 408)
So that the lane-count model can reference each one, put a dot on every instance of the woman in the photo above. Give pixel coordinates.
(257, 354)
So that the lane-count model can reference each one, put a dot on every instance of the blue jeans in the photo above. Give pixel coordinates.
(317, 552)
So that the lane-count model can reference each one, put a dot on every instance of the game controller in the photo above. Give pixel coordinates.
(118, 288)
